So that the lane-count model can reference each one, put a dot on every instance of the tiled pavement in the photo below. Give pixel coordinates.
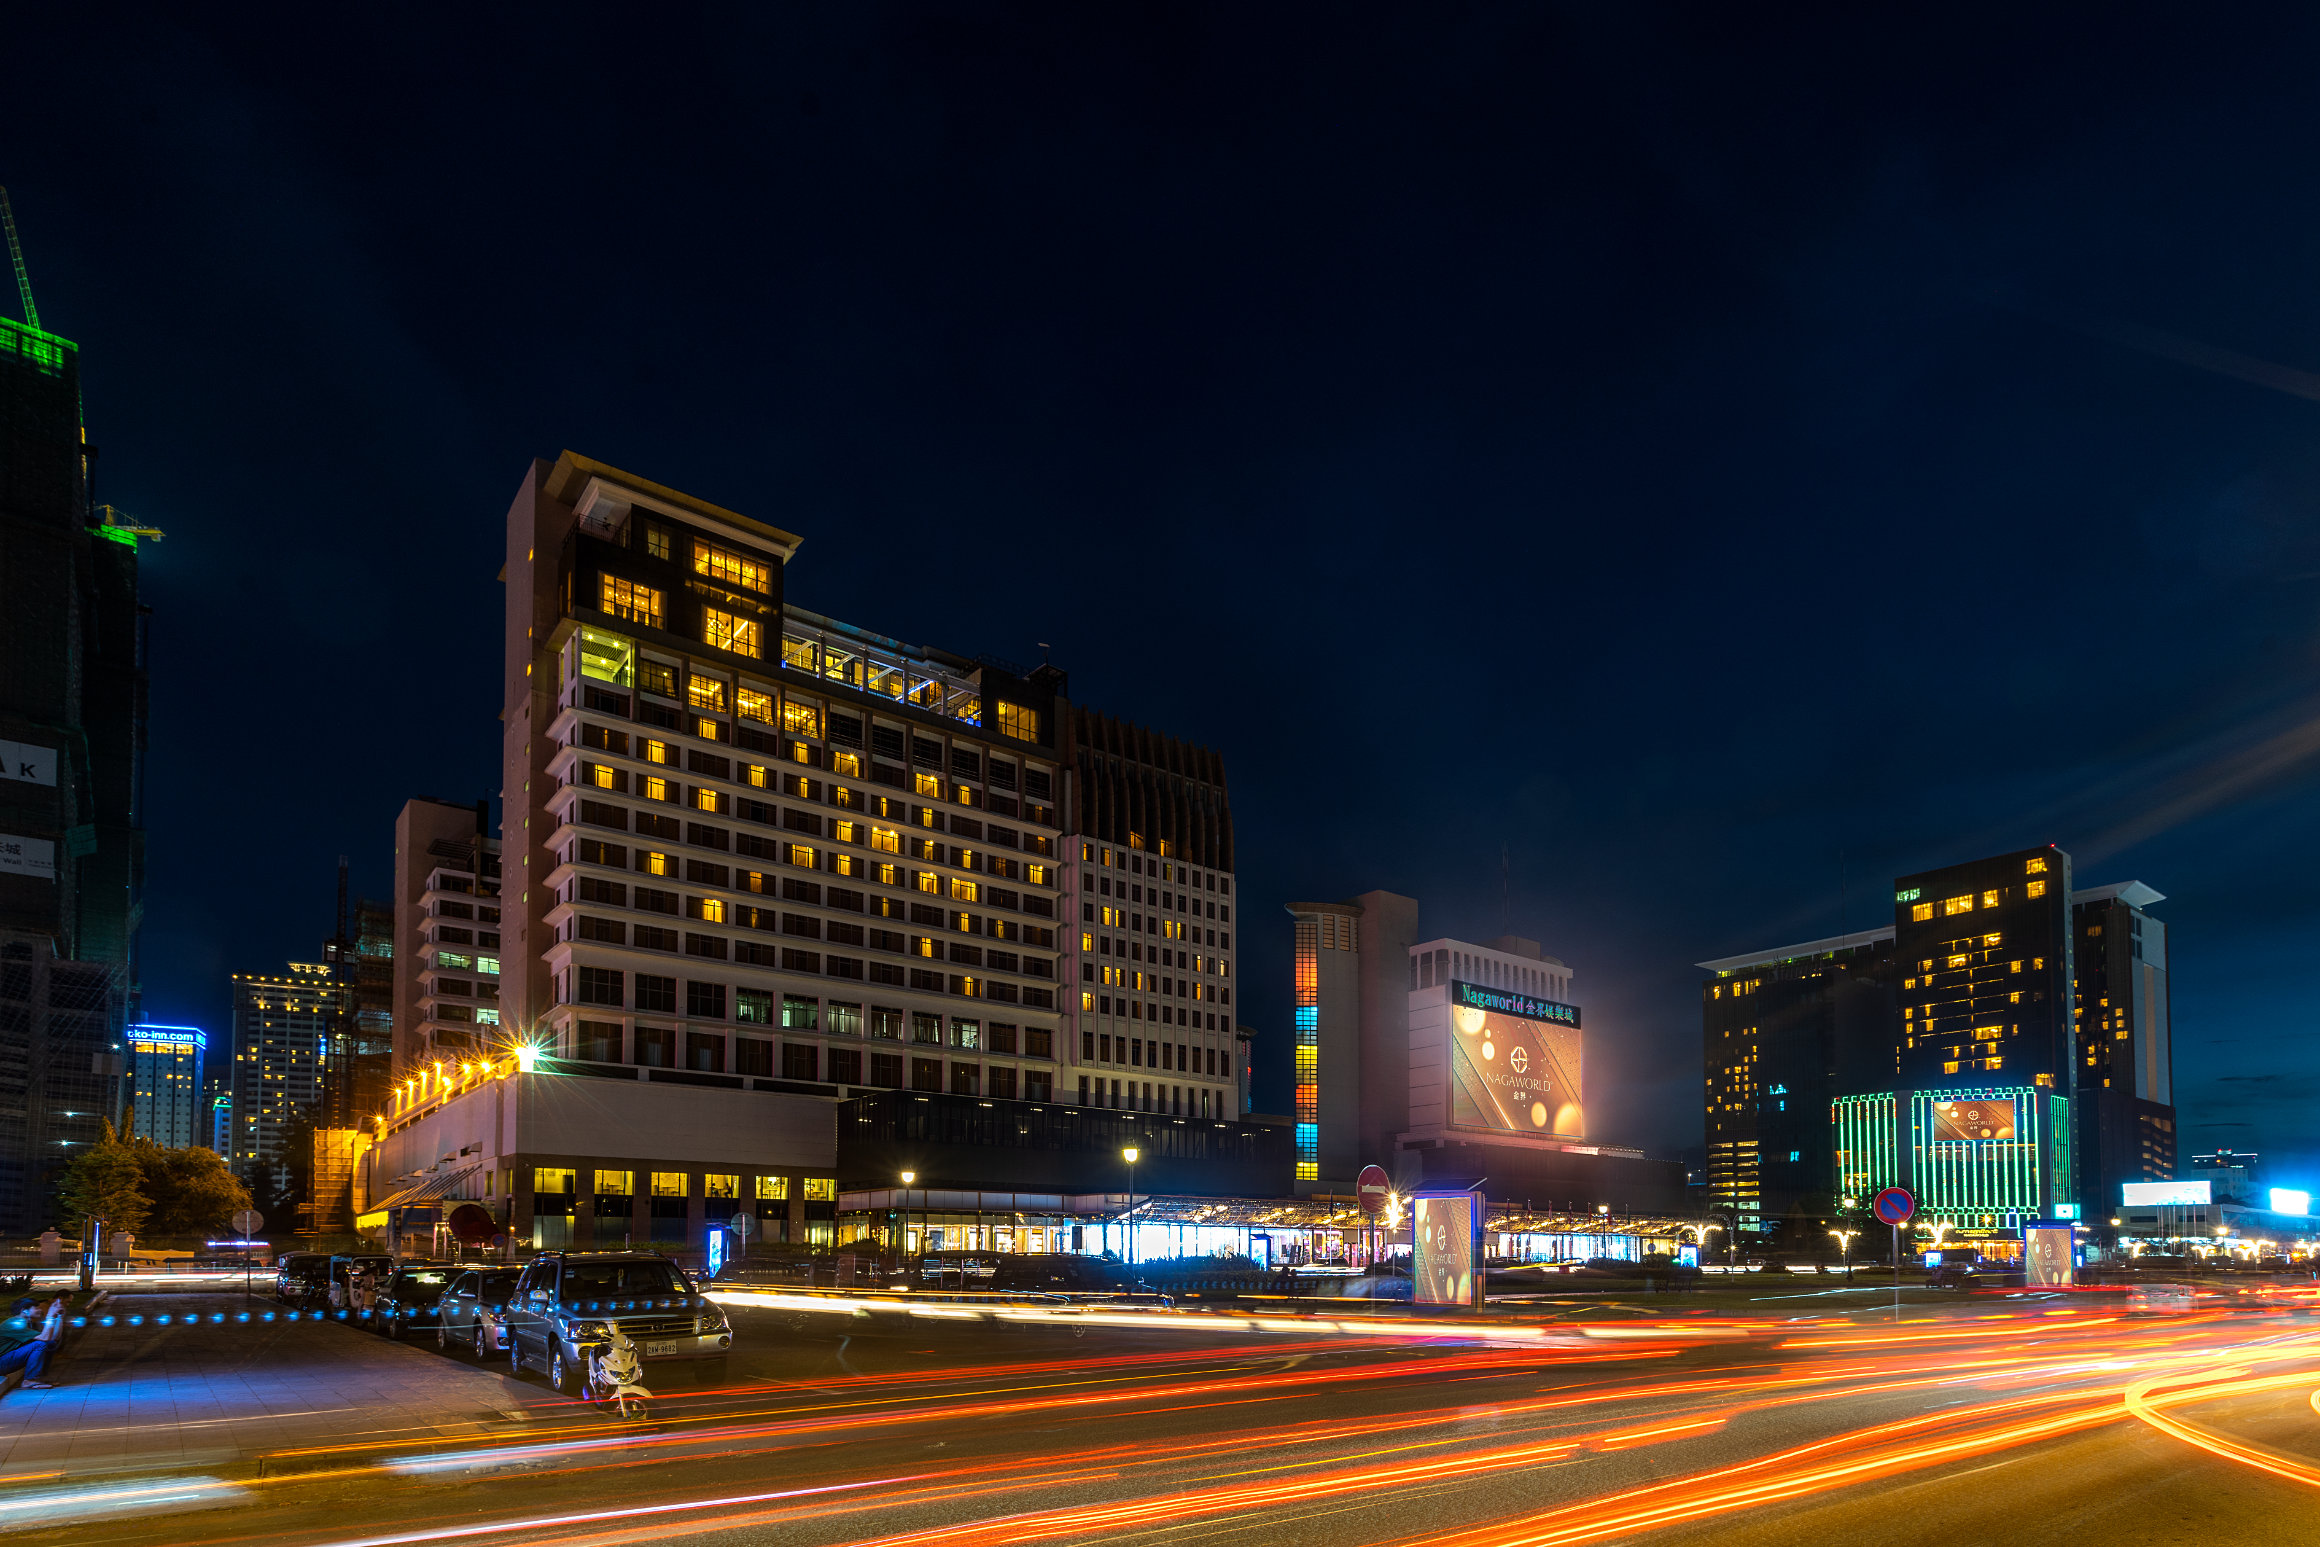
(250, 1394)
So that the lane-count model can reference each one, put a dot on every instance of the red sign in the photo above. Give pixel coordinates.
(1893, 1205)
(1372, 1189)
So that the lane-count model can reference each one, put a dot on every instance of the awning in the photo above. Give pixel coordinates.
(428, 1191)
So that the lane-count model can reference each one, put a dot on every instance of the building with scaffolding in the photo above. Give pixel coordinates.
(72, 747)
(358, 1059)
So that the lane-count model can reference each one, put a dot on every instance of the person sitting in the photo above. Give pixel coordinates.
(33, 1357)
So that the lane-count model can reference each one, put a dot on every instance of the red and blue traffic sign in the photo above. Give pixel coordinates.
(1893, 1205)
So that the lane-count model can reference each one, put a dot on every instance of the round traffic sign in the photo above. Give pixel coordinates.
(248, 1222)
(1372, 1188)
(1893, 1205)
(740, 1225)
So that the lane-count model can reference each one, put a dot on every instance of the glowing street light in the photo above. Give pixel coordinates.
(1130, 1155)
(908, 1177)
(1845, 1240)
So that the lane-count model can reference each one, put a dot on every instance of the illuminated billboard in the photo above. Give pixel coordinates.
(1975, 1121)
(1447, 1257)
(2046, 1259)
(2287, 1200)
(2150, 1195)
(1514, 1063)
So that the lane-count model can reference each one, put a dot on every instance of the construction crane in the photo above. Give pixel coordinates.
(16, 256)
(120, 520)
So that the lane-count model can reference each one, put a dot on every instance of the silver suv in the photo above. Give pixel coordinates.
(566, 1299)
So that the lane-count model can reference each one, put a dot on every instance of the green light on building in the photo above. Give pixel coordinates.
(1974, 1158)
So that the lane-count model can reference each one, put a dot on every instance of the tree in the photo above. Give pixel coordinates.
(105, 1181)
(191, 1190)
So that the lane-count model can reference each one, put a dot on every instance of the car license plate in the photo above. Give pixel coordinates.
(662, 1350)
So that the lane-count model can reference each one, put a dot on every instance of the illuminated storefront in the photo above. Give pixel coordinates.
(1976, 1159)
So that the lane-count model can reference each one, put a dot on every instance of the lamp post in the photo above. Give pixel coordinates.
(908, 1177)
(1130, 1155)
(1845, 1240)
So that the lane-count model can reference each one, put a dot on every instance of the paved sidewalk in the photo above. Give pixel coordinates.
(251, 1393)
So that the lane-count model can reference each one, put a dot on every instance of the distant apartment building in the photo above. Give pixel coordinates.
(442, 952)
(358, 1064)
(281, 1025)
(1968, 1051)
(1150, 1026)
(164, 1077)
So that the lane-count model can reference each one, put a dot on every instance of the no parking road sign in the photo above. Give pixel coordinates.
(1893, 1205)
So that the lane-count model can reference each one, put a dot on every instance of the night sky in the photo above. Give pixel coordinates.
(1646, 476)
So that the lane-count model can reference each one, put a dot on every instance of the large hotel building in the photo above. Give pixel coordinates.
(2002, 1047)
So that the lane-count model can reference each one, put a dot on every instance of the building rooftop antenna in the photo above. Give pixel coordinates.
(16, 256)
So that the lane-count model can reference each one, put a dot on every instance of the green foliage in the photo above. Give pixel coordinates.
(105, 1180)
(191, 1191)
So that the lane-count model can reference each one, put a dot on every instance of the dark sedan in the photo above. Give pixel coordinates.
(411, 1297)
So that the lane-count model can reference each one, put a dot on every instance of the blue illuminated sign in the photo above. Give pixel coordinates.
(1500, 1001)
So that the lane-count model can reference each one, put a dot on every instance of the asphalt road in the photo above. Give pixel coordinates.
(1787, 1422)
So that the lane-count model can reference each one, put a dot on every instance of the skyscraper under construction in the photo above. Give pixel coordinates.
(72, 744)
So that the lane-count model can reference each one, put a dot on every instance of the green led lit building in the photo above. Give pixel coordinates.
(1988, 1158)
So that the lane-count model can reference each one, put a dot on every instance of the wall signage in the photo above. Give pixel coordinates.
(22, 760)
(1500, 1001)
(33, 857)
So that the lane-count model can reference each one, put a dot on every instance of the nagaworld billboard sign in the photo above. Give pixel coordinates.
(2160, 1195)
(1512, 1072)
(1446, 1252)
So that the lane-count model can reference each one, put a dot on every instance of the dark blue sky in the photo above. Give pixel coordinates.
(1721, 460)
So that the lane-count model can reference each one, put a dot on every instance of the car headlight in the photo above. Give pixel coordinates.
(583, 1330)
(710, 1320)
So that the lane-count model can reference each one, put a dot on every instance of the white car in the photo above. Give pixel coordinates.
(472, 1314)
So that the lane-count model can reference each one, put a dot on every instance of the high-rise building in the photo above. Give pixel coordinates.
(281, 1029)
(750, 846)
(442, 950)
(72, 747)
(358, 1060)
(1438, 1058)
(1979, 1050)
(1150, 1026)
(2126, 1074)
(1785, 1033)
(164, 1078)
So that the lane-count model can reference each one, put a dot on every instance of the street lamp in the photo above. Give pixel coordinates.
(1845, 1240)
(1130, 1155)
(908, 1177)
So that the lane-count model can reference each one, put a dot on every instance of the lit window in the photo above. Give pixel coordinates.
(656, 540)
(774, 1189)
(846, 832)
(1921, 912)
(733, 569)
(821, 1189)
(962, 889)
(801, 855)
(1018, 722)
(926, 881)
(801, 719)
(2015, 965)
(2037, 866)
(1963, 904)
(636, 603)
(653, 864)
(726, 631)
(488, 964)
(600, 776)
(1991, 939)
(886, 839)
(705, 693)
(1087, 942)
(754, 773)
(1989, 899)
(751, 704)
(889, 875)
(654, 787)
(668, 1184)
(657, 752)
(453, 959)
(1959, 961)
(2036, 888)
(704, 799)
(1036, 875)
(930, 785)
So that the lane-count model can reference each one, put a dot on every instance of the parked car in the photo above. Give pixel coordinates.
(1061, 1273)
(565, 1299)
(409, 1298)
(469, 1314)
(301, 1277)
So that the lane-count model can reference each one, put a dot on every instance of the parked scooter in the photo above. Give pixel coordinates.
(616, 1374)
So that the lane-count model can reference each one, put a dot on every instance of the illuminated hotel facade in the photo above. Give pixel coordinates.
(1947, 1052)
(164, 1079)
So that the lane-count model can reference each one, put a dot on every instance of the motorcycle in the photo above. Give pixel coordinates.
(616, 1374)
